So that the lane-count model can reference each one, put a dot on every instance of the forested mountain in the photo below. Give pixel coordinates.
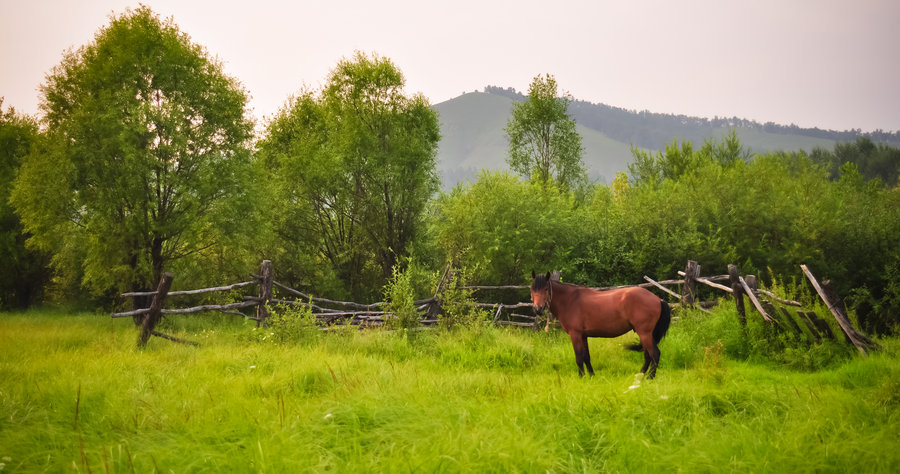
(473, 137)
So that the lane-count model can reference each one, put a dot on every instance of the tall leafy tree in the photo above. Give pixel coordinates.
(25, 270)
(361, 160)
(501, 227)
(873, 160)
(543, 141)
(316, 238)
(147, 142)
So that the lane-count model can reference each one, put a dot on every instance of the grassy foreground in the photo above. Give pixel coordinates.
(75, 395)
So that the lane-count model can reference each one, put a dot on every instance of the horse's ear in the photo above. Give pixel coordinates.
(533, 276)
(548, 276)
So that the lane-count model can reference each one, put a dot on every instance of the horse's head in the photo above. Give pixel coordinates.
(540, 292)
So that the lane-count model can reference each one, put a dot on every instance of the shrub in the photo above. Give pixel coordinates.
(457, 307)
(398, 294)
(288, 324)
(699, 338)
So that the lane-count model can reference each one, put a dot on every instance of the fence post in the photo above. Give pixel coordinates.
(436, 309)
(751, 282)
(862, 343)
(823, 326)
(738, 292)
(804, 316)
(265, 291)
(790, 320)
(152, 318)
(839, 305)
(689, 291)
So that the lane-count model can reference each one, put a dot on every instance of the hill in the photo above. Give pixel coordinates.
(473, 137)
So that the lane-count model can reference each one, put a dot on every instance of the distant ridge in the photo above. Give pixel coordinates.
(473, 137)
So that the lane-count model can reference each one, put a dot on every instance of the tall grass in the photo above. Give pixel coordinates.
(75, 394)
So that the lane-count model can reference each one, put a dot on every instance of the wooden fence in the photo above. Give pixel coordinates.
(777, 311)
(330, 312)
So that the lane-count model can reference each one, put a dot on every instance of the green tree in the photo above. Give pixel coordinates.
(728, 151)
(679, 160)
(873, 160)
(501, 228)
(147, 145)
(25, 270)
(355, 165)
(543, 141)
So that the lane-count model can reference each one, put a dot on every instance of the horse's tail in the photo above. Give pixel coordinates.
(662, 324)
(661, 328)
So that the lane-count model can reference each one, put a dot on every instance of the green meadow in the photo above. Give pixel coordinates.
(76, 395)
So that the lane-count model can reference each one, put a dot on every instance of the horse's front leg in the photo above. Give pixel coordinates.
(580, 347)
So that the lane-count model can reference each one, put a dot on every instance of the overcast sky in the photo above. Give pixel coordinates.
(815, 63)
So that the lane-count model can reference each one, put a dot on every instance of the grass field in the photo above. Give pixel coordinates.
(76, 395)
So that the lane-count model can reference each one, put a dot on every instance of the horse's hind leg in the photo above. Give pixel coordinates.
(578, 344)
(654, 362)
(651, 355)
(587, 356)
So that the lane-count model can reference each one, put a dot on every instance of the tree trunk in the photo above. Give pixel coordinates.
(156, 257)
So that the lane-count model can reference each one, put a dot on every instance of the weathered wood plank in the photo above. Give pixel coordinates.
(265, 291)
(657, 285)
(859, 341)
(749, 293)
(211, 307)
(738, 291)
(136, 312)
(689, 290)
(152, 316)
(194, 292)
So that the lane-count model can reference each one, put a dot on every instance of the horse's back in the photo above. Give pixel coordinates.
(612, 313)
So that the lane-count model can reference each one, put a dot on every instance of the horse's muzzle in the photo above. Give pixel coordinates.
(538, 310)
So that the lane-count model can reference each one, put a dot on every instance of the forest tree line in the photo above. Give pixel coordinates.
(144, 160)
(652, 130)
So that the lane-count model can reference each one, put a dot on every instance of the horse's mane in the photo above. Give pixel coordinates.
(541, 282)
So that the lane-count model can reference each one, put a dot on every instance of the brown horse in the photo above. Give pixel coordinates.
(584, 312)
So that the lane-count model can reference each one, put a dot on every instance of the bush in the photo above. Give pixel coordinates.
(288, 324)
(457, 305)
(694, 331)
(697, 339)
(398, 294)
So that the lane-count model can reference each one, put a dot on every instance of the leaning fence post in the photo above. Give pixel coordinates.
(790, 320)
(265, 291)
(152, 317)
(435, 308)
(748, 290)
(862, 343)
(738, 291)
(804, 316)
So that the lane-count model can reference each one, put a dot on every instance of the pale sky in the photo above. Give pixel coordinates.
(814, 63)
